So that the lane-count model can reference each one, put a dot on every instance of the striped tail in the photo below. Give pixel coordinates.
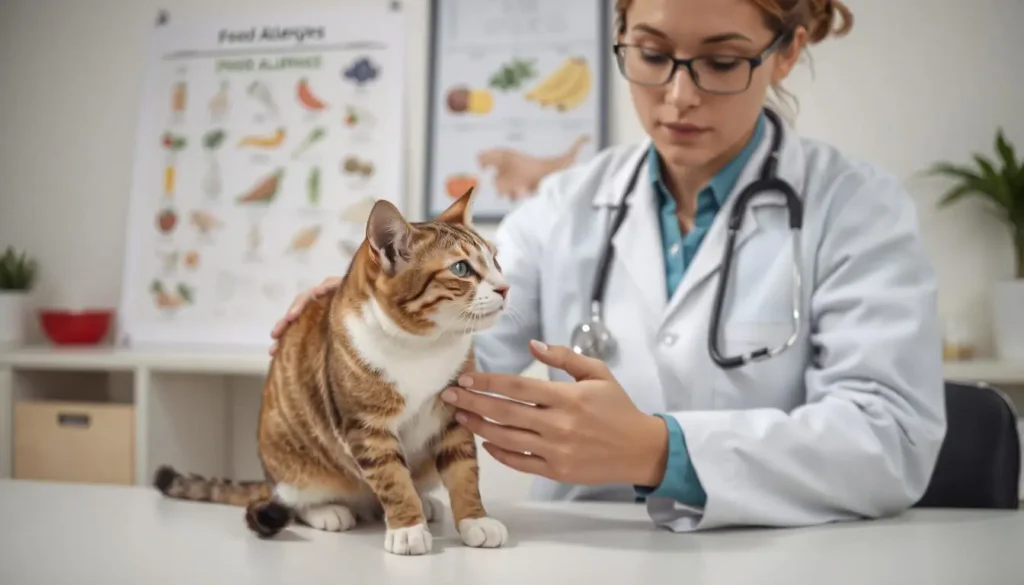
(263, 514)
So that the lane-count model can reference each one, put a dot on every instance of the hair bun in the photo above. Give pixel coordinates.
(828, 17)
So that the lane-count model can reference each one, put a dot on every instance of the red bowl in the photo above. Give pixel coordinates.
(75, 327)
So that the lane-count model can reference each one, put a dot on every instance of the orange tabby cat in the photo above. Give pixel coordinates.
(351, 425)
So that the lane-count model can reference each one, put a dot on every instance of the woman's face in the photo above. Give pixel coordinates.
(691, 127)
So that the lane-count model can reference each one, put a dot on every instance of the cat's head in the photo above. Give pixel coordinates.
(435, 277)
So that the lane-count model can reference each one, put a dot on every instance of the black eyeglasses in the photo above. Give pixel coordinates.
(718, 74)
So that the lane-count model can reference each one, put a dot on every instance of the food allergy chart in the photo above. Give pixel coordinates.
(263, 141)
(517, 92)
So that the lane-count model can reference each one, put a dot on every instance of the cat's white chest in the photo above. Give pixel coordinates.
(418, 371)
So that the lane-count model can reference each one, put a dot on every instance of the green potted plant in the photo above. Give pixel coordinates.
(998, 181)
(17, 277)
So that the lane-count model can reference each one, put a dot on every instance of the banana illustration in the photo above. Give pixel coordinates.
(565, 88)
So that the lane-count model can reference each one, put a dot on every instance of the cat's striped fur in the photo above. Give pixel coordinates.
(351, 424)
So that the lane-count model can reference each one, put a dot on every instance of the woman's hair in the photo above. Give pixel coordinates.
(821, 18)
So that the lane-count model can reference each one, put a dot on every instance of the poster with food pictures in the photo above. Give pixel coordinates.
(263, 141)
(517, 93)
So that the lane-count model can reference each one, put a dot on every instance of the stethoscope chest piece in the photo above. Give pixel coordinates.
(592, 338)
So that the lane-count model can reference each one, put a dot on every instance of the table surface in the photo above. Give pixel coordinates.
(60, 533)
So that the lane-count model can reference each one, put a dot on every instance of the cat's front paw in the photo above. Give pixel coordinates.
(413, 540)
(482, 532)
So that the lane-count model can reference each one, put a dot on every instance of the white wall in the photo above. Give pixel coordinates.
(918, 80)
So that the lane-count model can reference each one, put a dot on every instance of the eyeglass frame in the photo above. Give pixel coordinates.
(755, 62)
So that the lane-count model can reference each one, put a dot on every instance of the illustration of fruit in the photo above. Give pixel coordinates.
(315, 135)
(165, 299)
(264, 141)
(204, 221)
(261, 93)
(313, 186)
(191, 260)
(166, 220)
(265, 190)
(511, 75)
(351, 165)
(307, 98)
(361, 71)
(565, 88)
(462, 99)
(305, 238)
(179, 96)
(458, 185)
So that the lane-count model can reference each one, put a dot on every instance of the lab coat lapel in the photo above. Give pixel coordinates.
(637, 245)
(708, 259)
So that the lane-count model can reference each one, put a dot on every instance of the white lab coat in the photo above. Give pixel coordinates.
(845, 424)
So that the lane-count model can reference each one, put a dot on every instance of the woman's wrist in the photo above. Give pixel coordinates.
(649, 452)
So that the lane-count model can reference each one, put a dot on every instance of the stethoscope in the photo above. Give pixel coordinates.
(593, 339)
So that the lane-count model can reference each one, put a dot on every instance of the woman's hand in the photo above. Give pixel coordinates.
(584, 432)
(300, 301)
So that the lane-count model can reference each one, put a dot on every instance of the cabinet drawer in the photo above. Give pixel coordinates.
(86, 442)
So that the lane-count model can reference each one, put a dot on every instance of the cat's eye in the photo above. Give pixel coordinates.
(461, 269)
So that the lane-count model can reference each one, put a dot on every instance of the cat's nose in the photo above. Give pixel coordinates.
(502, 290)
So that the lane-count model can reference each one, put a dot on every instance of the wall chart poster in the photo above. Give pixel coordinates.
(517, 92)
(263, 142)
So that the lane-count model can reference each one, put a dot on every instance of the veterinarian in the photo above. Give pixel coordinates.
(740, 323)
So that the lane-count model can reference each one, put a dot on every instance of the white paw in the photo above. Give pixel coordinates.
(332, 518)
(482, 532)
(414, 540)
(433, 509)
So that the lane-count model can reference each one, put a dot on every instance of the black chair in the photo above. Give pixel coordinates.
(979, 461)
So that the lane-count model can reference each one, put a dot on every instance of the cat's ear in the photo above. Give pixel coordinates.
(461, 211)
(388, 235)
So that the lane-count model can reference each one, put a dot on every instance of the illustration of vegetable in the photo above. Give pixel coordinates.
(462, 99)
(512, 74)
(166, 220)
(361, 71)
(179, 97)
(266, 141)
(348, 248)
(265, 190)
(173, 143)
(517, 174)
(315, 135)
(219, 102)
(211, 184)
(183, 295)
(457, 185)
(261, 93)
(307, 98)
(353, 166)
(565, 88)
(305, 238)
(357, 117)
(313, 186)
(191, 260)
(204, 221)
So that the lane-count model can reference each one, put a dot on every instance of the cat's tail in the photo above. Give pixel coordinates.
(263, 514)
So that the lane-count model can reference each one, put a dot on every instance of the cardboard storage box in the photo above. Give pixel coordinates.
(91, 442)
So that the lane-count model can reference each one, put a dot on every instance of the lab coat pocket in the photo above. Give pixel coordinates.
(769, 383)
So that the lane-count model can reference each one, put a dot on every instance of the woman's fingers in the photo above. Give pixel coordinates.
(507, 437)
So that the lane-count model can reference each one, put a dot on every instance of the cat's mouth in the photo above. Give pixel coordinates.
(485, 314)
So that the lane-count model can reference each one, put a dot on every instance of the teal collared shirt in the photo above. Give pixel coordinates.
(680, 481)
